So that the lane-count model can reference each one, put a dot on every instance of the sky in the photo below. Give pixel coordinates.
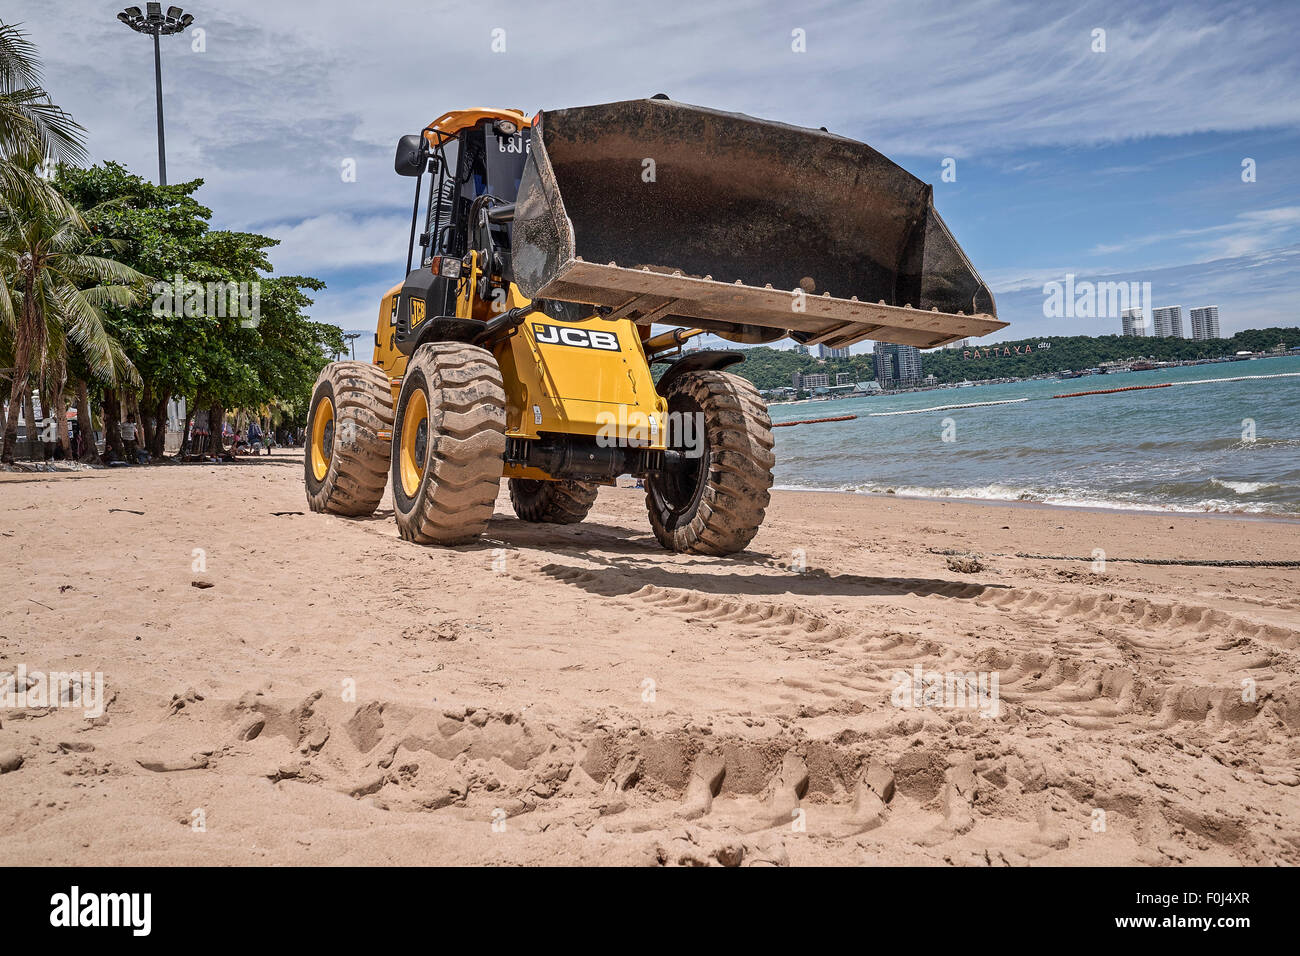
(1163, 149)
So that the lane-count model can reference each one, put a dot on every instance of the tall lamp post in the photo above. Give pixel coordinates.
(155, 23)
(352, 341)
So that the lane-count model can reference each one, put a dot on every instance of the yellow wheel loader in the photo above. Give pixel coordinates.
(567, 257)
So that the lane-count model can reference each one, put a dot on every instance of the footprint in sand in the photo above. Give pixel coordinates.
(626, 772)
(706, 781)
(874, 790)
(788, 789)
(958, 806)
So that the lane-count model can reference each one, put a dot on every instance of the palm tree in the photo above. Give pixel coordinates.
(30, 125)
(33, 133)
(27, 117)
(56, 293)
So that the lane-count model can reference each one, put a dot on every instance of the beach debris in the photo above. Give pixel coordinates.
(165, 765)
(965, 564)
(1182, 562)
(178, 701)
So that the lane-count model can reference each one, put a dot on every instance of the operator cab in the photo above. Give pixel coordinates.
(474, 168)
(486, 159)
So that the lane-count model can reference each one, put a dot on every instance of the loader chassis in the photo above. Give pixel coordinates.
(504, 354)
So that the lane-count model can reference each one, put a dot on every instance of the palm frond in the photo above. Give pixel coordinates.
(27, 115)
(24, 194)
(98, 269)
(112, 296)
(20, 64)
(85, 327)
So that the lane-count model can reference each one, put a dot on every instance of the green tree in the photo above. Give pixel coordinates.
(181, 345)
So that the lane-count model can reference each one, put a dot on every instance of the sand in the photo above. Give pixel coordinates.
(307, 689)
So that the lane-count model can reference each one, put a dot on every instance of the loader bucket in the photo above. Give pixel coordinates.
(667, 213)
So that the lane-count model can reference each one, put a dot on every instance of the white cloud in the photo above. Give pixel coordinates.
(1248, 232)
(285, 91)
(339, 241)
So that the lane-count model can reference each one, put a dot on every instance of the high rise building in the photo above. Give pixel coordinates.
(897, 366)
(1168, 322)
(825, 352)
(1135, 323)
(1205, 323)
(815, 380)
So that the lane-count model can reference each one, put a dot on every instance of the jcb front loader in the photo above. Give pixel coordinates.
(522, 343)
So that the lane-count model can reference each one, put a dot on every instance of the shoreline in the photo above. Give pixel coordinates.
(17, 476)
(1017, 503)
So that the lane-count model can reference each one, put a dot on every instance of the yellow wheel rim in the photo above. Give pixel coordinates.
(322, 438)
(415, 442)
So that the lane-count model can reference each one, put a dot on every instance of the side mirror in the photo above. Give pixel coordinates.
(412, 151)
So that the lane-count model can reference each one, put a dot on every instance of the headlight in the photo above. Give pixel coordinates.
(446, 266)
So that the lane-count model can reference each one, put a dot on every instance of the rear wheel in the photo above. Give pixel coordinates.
(716, 502)
(448, 442)
(346, 458)
(556, 502)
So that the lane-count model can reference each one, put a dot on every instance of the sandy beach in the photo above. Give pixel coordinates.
(282, 687)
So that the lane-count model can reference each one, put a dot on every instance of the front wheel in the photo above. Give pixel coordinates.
(449, 437)
(715, 500)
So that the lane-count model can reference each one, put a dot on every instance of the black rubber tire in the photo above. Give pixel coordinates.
(454, 499)
(358, 456)
(718, 509)
(553, 502)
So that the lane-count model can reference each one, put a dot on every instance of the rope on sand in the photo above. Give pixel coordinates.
(944, 408)
(814, 421)
(1190, 562)
(1193, 562)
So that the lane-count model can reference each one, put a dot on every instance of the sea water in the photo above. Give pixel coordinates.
(1220, 447)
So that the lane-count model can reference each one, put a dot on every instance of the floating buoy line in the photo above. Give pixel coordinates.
(814, 421)
(1017, 401)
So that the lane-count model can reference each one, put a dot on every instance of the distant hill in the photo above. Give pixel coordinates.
(772, 368)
